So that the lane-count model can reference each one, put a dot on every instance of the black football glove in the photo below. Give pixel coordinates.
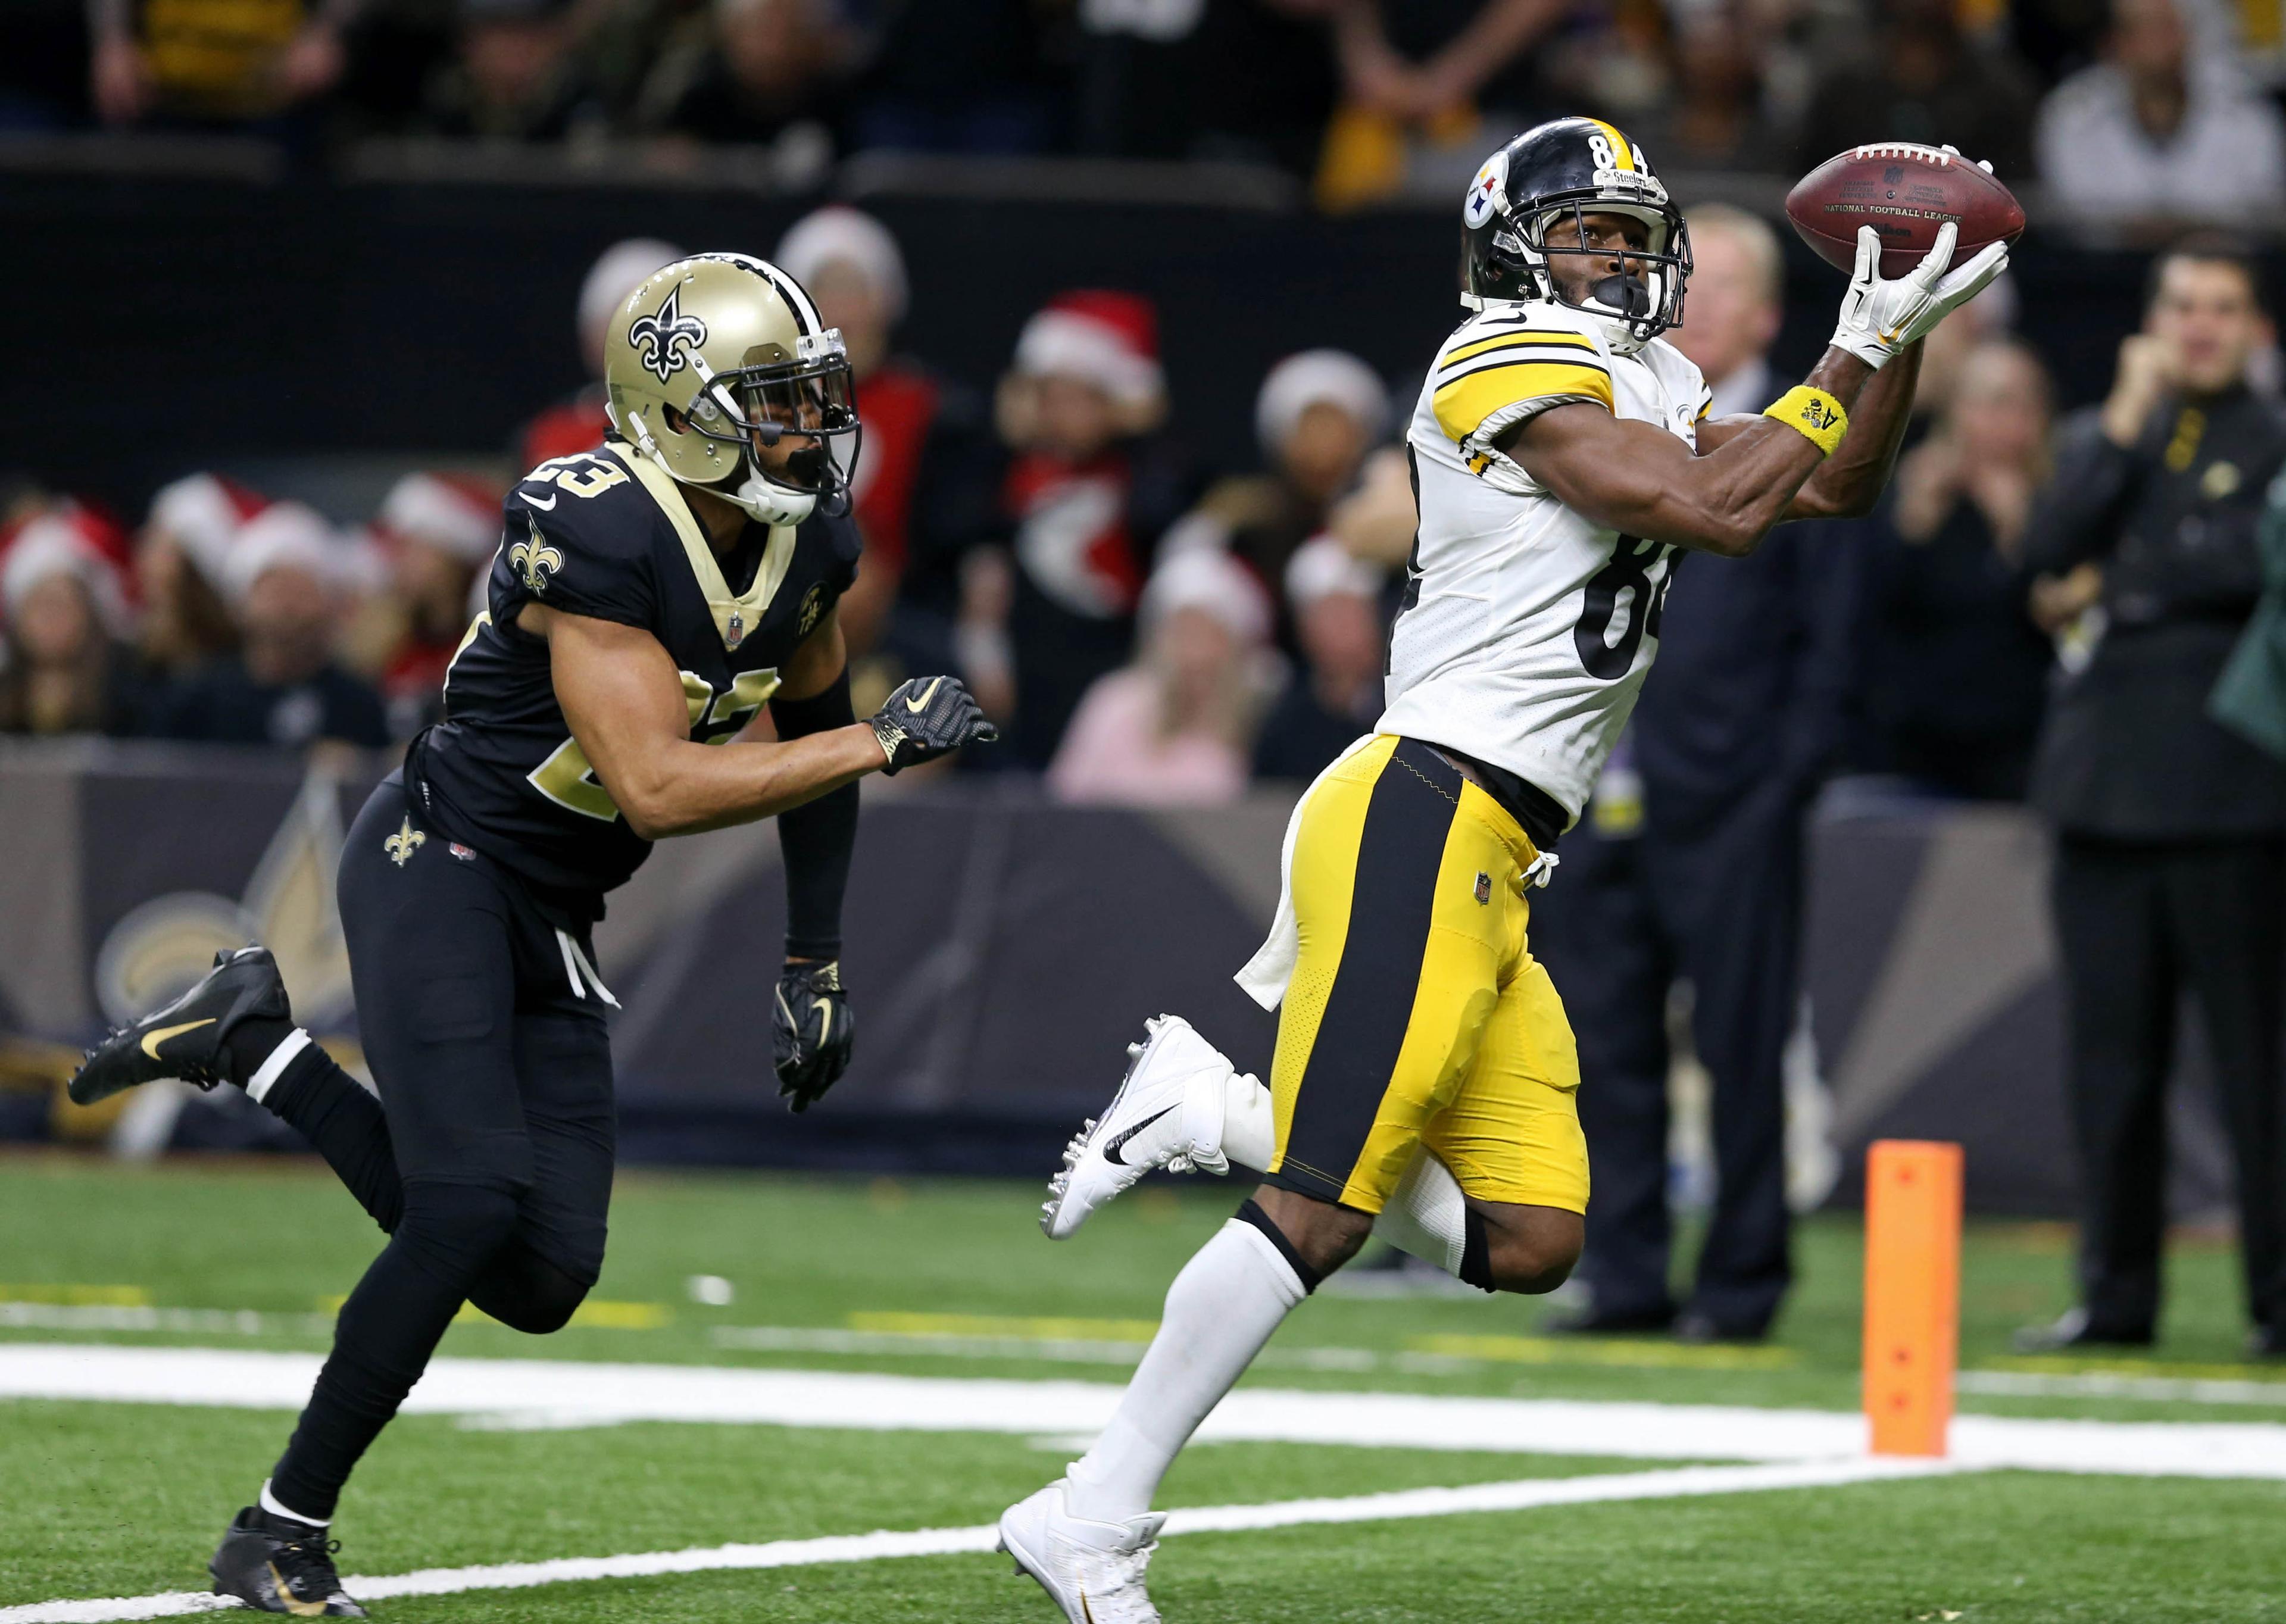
(928, 717)
(814, 1031)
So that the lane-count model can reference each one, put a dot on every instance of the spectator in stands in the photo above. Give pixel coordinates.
(1713, 115)
(282, 687)
(1986, 318)
(213, 61)
(1957, 671)
(1417, 60)
(2169, 869)
(516, 74)
(64, 665)
(578, 424)
(1687, 865)
(1172, 729)
(969, 78)
(1239, 81)
(766, 73)
(924, 490)
(439, 531)
(2158, 131)
(1735, 308)
(1920, 79)
(1315, 417)
(1089, 488)
(181, 562)
(1335, 695)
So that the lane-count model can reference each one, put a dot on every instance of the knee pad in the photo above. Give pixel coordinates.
(455, 1230)
(525, 1292)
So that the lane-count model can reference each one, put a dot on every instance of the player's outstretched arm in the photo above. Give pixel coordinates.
(621, 694)
(1638, 479)
(1750, 473)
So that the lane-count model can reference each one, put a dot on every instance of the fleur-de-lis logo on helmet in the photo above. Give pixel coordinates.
(533, 562)
(661, 341)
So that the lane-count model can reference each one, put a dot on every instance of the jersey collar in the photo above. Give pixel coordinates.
(737, 614)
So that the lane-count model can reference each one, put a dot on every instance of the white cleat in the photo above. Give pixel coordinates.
(1093, 1571)
(1167, 1113)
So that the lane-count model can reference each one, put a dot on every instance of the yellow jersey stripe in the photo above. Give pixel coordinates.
(1521, 338)
(1622, 152)
(1464, 404)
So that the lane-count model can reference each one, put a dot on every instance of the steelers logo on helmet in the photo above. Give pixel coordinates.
(1487, 192)
(1530, 238)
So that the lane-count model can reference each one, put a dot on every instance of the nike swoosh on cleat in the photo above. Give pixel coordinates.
(299, 1608)
(1111, 1151)
(152, 1040)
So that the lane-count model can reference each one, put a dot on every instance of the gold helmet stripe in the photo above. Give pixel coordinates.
(1622, 150)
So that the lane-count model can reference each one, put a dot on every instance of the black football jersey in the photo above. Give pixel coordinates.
(607, 533)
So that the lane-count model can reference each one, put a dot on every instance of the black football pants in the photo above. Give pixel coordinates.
(488, 1156)
(1621, 921)
(2137, 926)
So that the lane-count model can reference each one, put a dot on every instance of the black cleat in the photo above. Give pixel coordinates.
(1594, 1322)
(276, 1564)
(2073, 1332)
(186, 1038)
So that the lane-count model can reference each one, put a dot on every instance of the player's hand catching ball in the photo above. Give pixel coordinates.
(813, 1032)
(927, 718)
(1880, 317)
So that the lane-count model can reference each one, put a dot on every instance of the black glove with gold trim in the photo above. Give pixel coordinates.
(813, 1032)
(928, 717)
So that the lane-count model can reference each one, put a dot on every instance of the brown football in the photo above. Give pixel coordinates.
(1905, 191)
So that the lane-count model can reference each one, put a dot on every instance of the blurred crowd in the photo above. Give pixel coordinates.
(2127, 110)
(1148, 628)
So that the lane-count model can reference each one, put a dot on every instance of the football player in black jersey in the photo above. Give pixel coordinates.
(649, 597)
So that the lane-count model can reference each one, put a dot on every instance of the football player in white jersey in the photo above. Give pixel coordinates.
(1423, 1083)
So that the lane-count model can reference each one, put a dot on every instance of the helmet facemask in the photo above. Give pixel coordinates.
(795, 425)
(1644, 297)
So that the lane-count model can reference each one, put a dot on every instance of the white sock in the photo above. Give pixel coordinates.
(270, 1503)
(1426, 1215)
(1220, 1311)
(1249, 1130)
(265, 1076)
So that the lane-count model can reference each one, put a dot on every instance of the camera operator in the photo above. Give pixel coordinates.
(2169, 864)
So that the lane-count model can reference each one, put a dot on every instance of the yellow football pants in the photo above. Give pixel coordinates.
(1416, 1016)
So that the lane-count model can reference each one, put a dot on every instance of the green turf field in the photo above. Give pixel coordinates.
(952, 1280)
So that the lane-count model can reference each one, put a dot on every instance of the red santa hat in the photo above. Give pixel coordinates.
(1108, 339)
(455, 514)
(204, 514)
(64, 541)
(285, 535)
(838, 234)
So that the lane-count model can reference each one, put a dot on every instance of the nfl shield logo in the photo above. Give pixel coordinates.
(1484, 889)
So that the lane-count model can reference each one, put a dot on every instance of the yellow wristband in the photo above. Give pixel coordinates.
(1813, 412)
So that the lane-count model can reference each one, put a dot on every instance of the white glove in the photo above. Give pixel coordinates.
(1879, 318)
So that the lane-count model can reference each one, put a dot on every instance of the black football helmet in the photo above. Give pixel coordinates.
(1570, 168)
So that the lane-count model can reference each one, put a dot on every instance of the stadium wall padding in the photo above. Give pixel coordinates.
(997, 982)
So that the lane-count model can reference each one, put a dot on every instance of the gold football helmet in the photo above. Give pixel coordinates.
(719, 370)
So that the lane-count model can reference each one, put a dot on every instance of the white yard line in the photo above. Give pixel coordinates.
(2106, 1384)
(564, 1393)
(1479, 1497)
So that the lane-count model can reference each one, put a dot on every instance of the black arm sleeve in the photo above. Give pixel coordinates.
(818, 835)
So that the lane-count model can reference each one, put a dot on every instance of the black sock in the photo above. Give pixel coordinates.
(344, 1123)
(1249, 1212)
(387, 1331)
(252, 1041)
(1476, 1252)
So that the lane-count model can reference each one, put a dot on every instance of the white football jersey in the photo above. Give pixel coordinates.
(1527, 629)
